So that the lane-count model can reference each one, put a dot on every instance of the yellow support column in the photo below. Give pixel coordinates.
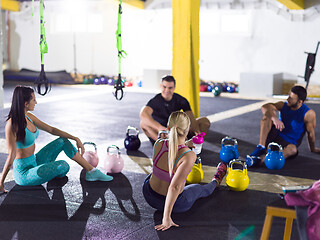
(185, 50)
(293, 4)
(10, 5)
(135, 3)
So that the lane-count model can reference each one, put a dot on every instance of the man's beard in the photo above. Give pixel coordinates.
(293, 106)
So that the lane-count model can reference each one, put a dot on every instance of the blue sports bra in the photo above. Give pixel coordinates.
(29, 138)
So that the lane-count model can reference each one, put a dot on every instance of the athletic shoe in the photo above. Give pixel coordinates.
(97, 175)
(252, 160)
(258, 151)
(221, 172)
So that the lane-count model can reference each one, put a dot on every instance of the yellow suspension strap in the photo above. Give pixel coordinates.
(119, 84)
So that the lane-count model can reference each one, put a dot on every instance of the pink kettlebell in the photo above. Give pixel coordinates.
(113, 162)
(90, 156)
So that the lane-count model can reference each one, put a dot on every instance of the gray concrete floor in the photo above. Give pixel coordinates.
(75, 209)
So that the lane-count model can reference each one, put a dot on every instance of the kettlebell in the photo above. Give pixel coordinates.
(165, 132)
(90, 156)
(229, 152)
(237, 179)
(217, 90)
(132, 142)
(113, 162)
(274, 158)
(196, 174)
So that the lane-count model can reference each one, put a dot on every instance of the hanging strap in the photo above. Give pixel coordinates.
(32, 7)
(119, 85)
(42, 84)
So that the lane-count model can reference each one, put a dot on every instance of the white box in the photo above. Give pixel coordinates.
(254, 84)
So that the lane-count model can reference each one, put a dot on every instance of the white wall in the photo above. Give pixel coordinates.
(145, 38)
(93, 49)
(272, 43)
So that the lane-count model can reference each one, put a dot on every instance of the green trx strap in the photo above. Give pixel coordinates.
(42, 81)
(121, 54)
(247, 233)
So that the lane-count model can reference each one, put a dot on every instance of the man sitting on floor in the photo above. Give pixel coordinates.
(294, 120)
(154, 116)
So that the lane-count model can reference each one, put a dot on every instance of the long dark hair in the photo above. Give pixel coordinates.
(21, 95)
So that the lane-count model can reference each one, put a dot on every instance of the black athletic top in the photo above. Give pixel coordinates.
(162, 108)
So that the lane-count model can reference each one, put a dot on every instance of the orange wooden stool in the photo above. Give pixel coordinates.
(274, 210)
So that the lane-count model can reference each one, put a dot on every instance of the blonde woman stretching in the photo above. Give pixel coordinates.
(164, 189)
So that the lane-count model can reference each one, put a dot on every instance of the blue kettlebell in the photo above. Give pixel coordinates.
(132, 141)
(274, 158)
(230, 88)
(96, 81)
(229, 151)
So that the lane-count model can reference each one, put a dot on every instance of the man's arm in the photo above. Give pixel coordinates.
(310, 122)
(270, 110)
(147, 119)
(194, 125)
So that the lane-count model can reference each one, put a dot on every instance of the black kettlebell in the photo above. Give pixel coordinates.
(132, 142)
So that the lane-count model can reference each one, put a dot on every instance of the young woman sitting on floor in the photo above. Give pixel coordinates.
(21, 131)
(164, 189)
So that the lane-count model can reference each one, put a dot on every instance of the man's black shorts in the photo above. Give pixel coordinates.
(273, 136)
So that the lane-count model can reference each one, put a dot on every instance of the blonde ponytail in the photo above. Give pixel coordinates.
(173, 148)
(178, 124)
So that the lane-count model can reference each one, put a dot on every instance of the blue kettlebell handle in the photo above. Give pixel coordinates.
(235, 142)
(274, 144)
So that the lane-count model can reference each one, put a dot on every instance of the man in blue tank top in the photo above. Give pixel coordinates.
(154, 116)
(295, 119)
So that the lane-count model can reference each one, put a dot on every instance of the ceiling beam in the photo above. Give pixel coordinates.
(293, 4)
(10, 5)
(135, 3)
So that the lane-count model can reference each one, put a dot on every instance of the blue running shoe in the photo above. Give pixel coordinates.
(258, 151)
(97, 175)
(252, 160)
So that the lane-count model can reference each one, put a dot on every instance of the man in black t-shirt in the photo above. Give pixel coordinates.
(154, 116)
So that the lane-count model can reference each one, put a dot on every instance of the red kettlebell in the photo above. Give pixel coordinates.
(128, 84)
(113, 162)
(203, 88)
(90, 156)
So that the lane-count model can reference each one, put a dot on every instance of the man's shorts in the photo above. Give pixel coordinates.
(273, 136)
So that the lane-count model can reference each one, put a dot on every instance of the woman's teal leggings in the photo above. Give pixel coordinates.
(42, 166)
